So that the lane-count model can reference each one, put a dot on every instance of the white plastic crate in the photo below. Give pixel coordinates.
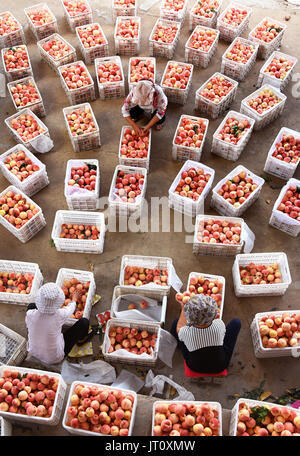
(253, 290)
(136, 162)
(210, 108)
(23, 268)
(131, 358)
(81, 94)
(210, 277)
(219, 249)
(119, 207)
(251, 403)
(266, 49)
(33, 183)
(82, 276)
(238, 70)
(197, 19)
(78, 218)
(261, 120)
(225, 149)
(265, 352)
(121, 291)
(91, 53)
(160, 49)
(277, 167)
(183, 153)
(199, 57)
(41, 31)
(86, 141)
(13, 346)
(58, 402)
(13, 38)
(217, 406)
(32, 226)
(115, 89)
(83, 432)
(186, 205)
(82, 200)
(5, 428)
(177, 95)
(78, 19)
(224, 207)
(127, 46)
(230, 32)
(140, 59)
(281, 220)
(125, 10)
(38, 106)
(13, 75)
(55, 63)
(171, 14)
(267, 78)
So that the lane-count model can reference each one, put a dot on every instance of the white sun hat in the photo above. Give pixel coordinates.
(143, 92)
(49, 298)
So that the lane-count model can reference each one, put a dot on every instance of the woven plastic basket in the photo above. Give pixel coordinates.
(12, 347)
(200, 19)
(80, 18)
(177, 95)
(230, 32)
(265, 77)
(199, 57)
(238, 70)
(81, 94)
(277, 167)
(21, 73)
(159, 48)
(169, 13)
(13, 38)
(55, 63)
(85, 141)
(266, 49)
(114, 89)
(281, 220)
(127, 46)
(91, 53)
(183, 153)
(78, 200)
(41, 31)
(38, 106)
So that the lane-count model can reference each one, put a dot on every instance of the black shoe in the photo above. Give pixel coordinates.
(86, 338)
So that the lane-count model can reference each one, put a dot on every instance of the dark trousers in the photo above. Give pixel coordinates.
(73, 334)
(137, 111)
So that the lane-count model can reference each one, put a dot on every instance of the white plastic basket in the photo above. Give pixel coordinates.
(184, 204)
(199, 57)
(13, 38)
(125, 10)
(78, 218)
(33, 183)
(210, 277)
(81, 94)
(261, 120)
(183, 153)
(266, 77)
(41, 31)
(225, 149)
(281, 220)
(85, 141)
(171, 14)
(230, 32)
(83, 432)
(266, 49)
(82, 276)
(55, 63)
(78, 19)
(13, 345)
(253, 290)
(277, 167)
(23, 268)
(82, 201)
(115, 89)
(140, 59)
(210, 108)
(224, 207)
(127, 46)
(5, 428)
(265, 352)
(121, 291)
(176, 95)
(238, 70)
(91, 53)
(132, 359)
(38, 106)
(138, 162)
(32, 226)
(57, 406)
(21, 73)
(160, 49)
(197, 19)
(122, 208)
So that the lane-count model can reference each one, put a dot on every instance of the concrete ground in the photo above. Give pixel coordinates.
(245, 371)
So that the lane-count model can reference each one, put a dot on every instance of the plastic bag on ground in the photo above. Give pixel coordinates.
(157, 384)
(167, 347)
(42, 144)
(106, 15)
(2, 86)
(151, 313)
(128, 380)
(147, 4)
(175, 280)
(94, 372)
(248, 237)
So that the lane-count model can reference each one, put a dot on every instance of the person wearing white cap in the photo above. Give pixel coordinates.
(145, 95)
(44, 321)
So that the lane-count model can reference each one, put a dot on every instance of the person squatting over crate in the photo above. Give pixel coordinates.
(206, 343)
(44, 321)
(145, 95)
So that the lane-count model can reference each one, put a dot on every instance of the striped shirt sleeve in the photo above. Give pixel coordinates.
(196, 338)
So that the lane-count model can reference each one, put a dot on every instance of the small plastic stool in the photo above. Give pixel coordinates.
(205, 378)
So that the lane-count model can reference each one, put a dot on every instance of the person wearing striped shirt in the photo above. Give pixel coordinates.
(205, 342)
